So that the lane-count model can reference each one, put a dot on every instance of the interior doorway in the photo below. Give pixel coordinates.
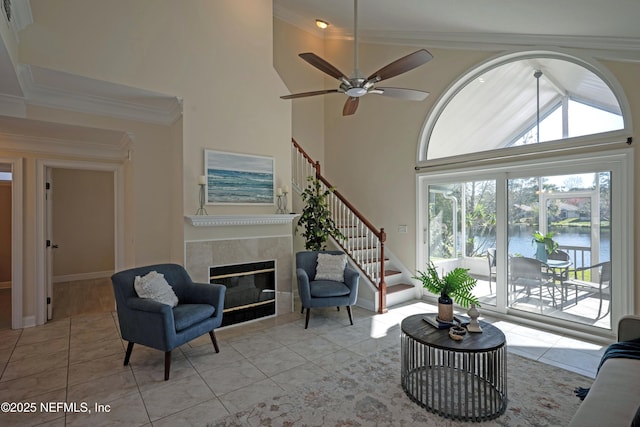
(79, 212)
(80, 240)
(11, 304)
(6, 209)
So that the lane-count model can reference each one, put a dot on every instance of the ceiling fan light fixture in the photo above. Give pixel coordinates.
(321, 24)
(356, 92)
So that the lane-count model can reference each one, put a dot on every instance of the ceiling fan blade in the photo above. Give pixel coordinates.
(401, 65)
(304, 94)
(396, 92)
(350, 106)
(323, 65)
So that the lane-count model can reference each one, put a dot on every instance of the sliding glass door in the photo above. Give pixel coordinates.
(571, 213)
(461, 230)
(489, 221)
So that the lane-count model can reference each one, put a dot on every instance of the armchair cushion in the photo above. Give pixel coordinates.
(154, 286)
(186, 315)
(331, 267)
(328, 288)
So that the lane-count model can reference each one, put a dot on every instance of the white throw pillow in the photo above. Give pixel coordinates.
(331, 267)
(155, 287)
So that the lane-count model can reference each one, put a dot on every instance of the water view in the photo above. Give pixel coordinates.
(520, 241)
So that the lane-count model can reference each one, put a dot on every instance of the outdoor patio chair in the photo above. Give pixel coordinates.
(583, 281)
(530, 273)
(491, 257)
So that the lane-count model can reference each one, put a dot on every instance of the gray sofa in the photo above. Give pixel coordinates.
(614, 397)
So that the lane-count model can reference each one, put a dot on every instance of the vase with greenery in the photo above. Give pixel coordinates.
(545, 245)
(456, 286)
(316, 216)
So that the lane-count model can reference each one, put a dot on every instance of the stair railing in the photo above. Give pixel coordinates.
(363, 242)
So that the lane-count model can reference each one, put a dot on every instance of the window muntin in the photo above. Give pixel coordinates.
(580, 119)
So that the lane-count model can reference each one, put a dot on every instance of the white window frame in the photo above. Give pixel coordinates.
(618, 161)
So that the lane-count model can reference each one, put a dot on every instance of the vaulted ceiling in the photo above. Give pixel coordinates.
(608, 27)
(600, 29)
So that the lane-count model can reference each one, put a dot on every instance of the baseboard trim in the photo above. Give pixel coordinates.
(28, 321)
(366, 304)
(82, 276)
(5, 285)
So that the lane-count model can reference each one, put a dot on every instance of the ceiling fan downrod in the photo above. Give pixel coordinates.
(356, 70)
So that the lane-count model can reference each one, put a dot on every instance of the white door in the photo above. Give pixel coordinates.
(48, 194)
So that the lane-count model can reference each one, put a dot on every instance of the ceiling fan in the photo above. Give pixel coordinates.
(357, 86)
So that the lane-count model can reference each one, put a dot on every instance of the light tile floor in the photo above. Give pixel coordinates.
(79, 359)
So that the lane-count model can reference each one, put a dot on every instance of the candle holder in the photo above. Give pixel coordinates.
(201, 210)
(282, 203)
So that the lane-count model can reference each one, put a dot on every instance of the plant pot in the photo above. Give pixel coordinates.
(445, 308)
(541, 251)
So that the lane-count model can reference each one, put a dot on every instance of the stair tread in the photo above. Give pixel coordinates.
(373, 261)
(391, 272)
(398, 287)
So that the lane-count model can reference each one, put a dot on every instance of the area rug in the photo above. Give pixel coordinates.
(368, 393)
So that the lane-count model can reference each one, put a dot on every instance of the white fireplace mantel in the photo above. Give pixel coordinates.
(231, 220)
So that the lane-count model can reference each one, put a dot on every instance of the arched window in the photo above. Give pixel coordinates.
(521, 99)
(527, 146)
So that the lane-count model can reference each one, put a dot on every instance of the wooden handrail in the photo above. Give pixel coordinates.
(301, 150)
(352, 208)
(378, 233)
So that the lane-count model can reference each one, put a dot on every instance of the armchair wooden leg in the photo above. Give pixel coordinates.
(338, 307)
(306, 322)
(128, 355)
(302, 309)
(214, 341)
(167, 364)
(349, 311)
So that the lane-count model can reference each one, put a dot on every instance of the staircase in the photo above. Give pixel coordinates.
(363, 242)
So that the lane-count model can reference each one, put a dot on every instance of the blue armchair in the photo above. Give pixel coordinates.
(150, 323)
(324, 293)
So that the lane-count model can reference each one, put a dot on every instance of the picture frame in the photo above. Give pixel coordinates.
(238, 179)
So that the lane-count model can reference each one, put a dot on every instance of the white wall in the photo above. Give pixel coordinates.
(214, 55)
(83, 222)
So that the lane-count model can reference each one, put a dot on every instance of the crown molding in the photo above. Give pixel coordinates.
(12, 106)
(22, 14)
(614, 48)
(27, 135)
(22, 143)
(603, 47)
(92, 102)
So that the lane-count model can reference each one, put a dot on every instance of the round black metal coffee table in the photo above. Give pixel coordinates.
(463, 380)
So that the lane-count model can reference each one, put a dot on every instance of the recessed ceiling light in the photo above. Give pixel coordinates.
(321, 24)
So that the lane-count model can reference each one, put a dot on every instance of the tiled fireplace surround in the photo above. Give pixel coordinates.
(202, 254)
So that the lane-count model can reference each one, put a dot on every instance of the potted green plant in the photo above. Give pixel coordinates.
(316, 216)
(456, 286)
(545, 245)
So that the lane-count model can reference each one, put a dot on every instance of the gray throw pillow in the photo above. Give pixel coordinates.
(331, 267)
(155, 287)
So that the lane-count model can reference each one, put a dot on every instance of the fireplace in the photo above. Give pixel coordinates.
(230, 240)
(251, 290)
